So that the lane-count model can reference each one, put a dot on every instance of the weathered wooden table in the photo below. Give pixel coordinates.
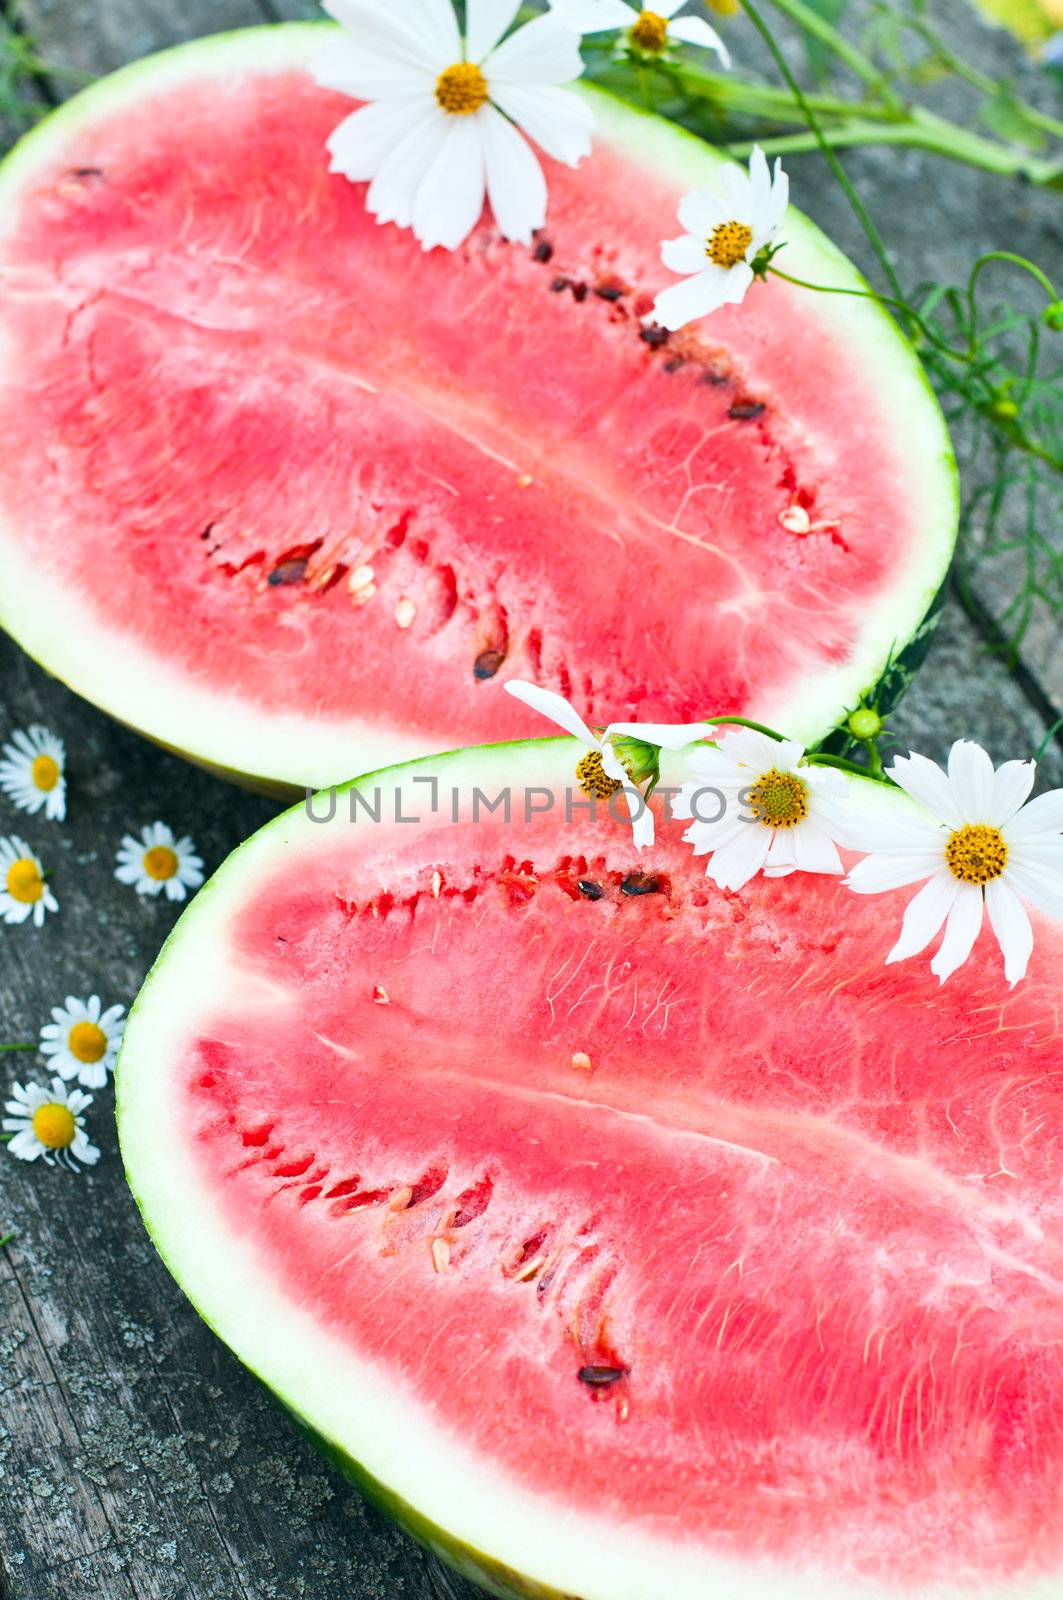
(138, 1460)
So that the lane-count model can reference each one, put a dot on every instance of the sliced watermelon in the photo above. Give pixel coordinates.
(289, 495)
(636, 1240)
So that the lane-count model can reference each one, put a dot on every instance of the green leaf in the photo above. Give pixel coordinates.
(819, 56)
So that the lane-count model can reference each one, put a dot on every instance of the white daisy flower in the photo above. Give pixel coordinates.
(979, 847)
(724, 235)
(82, 1040)
(49, 1124)
(32, 773)
(447, 115)
(24, 893)
(756, 807)
(648, 32)
(157, 862)
(618, 759)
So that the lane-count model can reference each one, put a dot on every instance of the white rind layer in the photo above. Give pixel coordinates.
(351, 1403)
(71, 634)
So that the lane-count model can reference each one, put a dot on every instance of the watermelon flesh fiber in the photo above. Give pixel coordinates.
(295, 467)
(729, 1255)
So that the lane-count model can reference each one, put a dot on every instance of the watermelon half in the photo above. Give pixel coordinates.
(631, 1239)
(291, 496)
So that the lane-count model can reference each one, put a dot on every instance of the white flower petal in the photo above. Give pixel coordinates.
(734, 863)
(364, 74)
(392, 36)
(926, 782)
(559, 122)
(737, 189)
(813, 848)
(961, 930)
(924, 914)
(668, 735)
(551, 705)
(971, 776)
(611, 765)
(593, 16)
(1041, 886)
(877, 874)
(696, 31)
(516, 187)
(755, 750)
(361, 142)
(1012, 783)
(641, 817)
(1043, 816)
(393, 191)
(485, 23)
(542, 52)
(700, 212)
(685, 255)
(1011, 925)
(696, 297)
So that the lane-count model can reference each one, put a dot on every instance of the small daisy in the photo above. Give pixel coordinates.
(157, 861)
(49, 1125)
(32, 773)
(24, 892)
(648, 33)
(83, 1039)
(979, 847)
(447, 115)
(724, 235)
(756, 807)
(618, 759)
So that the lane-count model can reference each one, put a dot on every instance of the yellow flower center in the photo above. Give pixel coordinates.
(650, 32)
(593, 778)
(87, 1042)
(461, 89)
(729, 243)
(779, 799)
(24, 881)
(723, 8)
(45, 773)
(976, 854)
(160, 862)
(54, 1126)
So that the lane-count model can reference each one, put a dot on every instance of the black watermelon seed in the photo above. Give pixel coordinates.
(601, 1377)
(543, 250)
(745, 411)
(559, 284)
(640, 883)
(288, 572)
(674, 363)
(487, 663)
(579, 291)
(654, 336)
(87, 173)
(608, 291)
(592, 890)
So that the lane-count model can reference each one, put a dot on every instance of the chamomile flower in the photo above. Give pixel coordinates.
(82, 1040)
(49, 1124)
(32, 773)
(725, 232)
(648, 33)
(980, 849)
(755, 806)
(157, 863)
(24, 892)
(620, 758)
(447, 116)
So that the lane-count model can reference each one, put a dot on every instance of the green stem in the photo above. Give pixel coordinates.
(979, 80)
(1047, 740)
(758, 99)
(6, 1240)
(17, 1047)
(900, 306)
(744, 722)
(818, 27)
(919, 130)
(815, 759)
(858, 207)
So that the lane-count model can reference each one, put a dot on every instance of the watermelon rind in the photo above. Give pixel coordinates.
(279, 748)
(506, 1538)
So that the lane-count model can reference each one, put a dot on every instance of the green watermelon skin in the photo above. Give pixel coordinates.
(306, 511)
(303, 979)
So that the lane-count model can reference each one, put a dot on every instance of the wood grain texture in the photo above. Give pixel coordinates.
(138, 1460)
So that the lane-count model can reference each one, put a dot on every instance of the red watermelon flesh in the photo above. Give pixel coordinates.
(321, 492)
(653, 1241)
